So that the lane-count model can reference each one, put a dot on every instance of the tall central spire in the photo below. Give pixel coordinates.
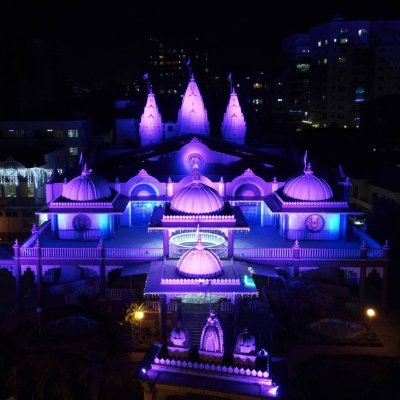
(192, 116)
(233, 125)
(151, 126)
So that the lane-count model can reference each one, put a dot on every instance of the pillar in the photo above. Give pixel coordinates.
(221, 187)
(230, 243)
(361, 296)
(170, 187)
(102, 270)
(17, 274)
(39, 274)
(343, 226)
(166, 243)
(162, 309)
(149, 392)
(385, 284)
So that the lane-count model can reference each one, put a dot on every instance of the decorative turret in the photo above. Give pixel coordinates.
(212, 340)
(179, 344)
(151, 128)
(245, 349)
(233, 125)
(192, 116)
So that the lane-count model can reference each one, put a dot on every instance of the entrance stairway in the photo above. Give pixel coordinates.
(193, 317)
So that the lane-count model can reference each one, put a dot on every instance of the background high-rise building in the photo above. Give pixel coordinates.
(338, 66)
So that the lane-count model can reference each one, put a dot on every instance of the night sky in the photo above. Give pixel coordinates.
(103, 39)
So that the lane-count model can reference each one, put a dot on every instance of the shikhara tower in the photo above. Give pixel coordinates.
(151, 128)
(192, 116)
(233, 127)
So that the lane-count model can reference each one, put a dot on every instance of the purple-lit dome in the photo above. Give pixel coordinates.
(179, 336)
(199, 262)
(87, 187)
(308, 187)
(245, 342)
(197, 198)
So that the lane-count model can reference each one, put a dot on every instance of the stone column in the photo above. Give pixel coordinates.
(17, 274)
(230, 243)
(39, 274)
(166, 243)
(296, 256)
(149, 392)
(385, 284)
(102, 270)
(162, 310)
(361, 296)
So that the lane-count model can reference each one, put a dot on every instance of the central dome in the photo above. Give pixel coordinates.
(87, 187)
(308, 187)
(199, 262)
(197, 198)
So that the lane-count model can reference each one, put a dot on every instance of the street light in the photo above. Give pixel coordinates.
(371, 313)
(139, 315)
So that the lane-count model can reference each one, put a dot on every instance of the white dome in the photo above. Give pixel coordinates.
(308, 187)
(245, 342)
(197, 198)
(179, 335)
(87, 187)
(199, 262)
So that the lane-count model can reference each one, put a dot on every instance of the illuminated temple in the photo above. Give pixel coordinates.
(200, 217)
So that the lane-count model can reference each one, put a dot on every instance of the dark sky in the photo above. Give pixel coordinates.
(107, 37)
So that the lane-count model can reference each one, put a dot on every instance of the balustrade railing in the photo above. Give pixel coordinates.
(91, 291)
(222, 252)
(133, 252)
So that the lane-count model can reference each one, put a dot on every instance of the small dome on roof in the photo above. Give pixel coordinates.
(199, 262)
(245, 342)
(179, 336)
(87, 187)
(10, 163)
(197, 198)
(308, 187)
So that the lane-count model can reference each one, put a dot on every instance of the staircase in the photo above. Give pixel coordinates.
(193, 317)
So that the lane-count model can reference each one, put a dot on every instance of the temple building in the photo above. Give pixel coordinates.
(199, 217)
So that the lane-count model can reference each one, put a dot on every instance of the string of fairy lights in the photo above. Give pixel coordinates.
(34, 176)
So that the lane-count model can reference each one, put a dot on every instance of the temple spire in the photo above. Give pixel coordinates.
(233, 127)
(151, 128)
(192, 116)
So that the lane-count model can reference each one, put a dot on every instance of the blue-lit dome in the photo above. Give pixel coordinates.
(197, 198)
(199, 262)
(308, 187)
(87, 187)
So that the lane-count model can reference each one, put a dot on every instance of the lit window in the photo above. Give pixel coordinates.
(257, 101)
(326, 42)
(319, 44)
(73, 151)
(334, 40)
(362, 32)
(342, 60)
(303, 67)
(49, 130)
(344, 40)
(73, 133)
(280, 99)
(325, 61)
